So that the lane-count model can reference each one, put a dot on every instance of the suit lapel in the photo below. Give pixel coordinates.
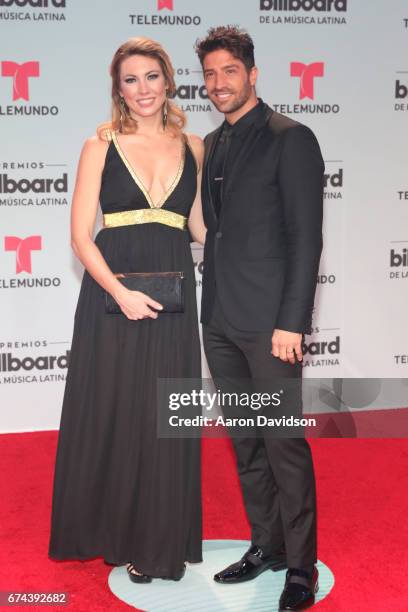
(210, 145)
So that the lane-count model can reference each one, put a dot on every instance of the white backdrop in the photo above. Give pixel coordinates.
(55, 90)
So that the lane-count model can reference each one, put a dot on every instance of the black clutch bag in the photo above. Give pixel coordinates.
(165, 287)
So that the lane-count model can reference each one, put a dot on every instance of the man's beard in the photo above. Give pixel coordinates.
(238, 102)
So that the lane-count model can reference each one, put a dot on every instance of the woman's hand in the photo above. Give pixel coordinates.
(137, 305)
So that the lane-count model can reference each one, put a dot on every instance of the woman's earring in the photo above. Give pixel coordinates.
(122, 111)
(165, 112)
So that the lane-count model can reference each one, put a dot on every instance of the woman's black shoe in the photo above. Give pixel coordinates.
(136, 576)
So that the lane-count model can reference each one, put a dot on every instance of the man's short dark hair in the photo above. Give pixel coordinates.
(232, 39)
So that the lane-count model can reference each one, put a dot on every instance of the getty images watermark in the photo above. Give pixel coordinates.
(238, 407)
(227, 400)
(283, 408)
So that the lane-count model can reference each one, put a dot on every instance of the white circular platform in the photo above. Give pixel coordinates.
(198, 592)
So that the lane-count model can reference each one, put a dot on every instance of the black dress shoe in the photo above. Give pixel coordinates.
(253, 563)
(299, 591)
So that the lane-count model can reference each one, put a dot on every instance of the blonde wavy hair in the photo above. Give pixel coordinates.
(176, 119)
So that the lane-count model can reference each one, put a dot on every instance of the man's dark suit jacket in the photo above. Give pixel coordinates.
(261, 256)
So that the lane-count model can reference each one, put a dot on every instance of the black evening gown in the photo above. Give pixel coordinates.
(120, 492)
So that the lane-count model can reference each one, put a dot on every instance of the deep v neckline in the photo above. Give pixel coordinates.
(139, 182)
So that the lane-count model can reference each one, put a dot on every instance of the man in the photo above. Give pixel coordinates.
(262, 205)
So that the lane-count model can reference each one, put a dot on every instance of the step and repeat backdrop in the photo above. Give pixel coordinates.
(339, 66)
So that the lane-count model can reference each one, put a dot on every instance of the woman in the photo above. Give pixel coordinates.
(121, 492)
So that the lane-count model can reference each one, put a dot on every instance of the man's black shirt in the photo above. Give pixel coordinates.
(232, 138)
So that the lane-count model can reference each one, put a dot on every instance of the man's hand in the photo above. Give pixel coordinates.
(287, 345)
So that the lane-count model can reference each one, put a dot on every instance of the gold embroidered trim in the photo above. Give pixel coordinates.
(139, 183)
(145, 215)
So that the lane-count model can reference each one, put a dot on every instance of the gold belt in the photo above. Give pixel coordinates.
(145, 215)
